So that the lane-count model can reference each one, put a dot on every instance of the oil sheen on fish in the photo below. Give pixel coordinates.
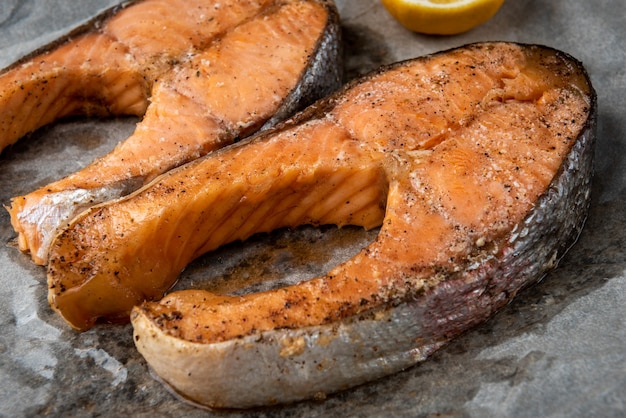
(221, 70)
(475, 163)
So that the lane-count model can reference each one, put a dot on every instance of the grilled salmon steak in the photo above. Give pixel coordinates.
(220, 71)
(475, 163)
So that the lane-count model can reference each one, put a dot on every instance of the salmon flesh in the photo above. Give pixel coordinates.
(474, 162)
(219, 71)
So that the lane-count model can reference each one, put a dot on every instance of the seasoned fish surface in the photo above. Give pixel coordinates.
(220, 71)
(474, 162)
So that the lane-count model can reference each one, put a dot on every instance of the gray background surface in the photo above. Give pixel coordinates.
(558, 350)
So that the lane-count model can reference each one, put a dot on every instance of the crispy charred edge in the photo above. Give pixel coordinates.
(324, 72)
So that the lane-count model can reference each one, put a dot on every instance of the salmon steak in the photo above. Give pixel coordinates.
(475, 163)
(202, 73)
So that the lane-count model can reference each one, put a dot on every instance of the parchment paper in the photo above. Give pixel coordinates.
(558, 350)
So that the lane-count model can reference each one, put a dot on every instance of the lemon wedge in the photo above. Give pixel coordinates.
(442, 17)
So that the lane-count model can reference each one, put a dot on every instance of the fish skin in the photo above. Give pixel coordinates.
(37, 216)
(313, 347)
